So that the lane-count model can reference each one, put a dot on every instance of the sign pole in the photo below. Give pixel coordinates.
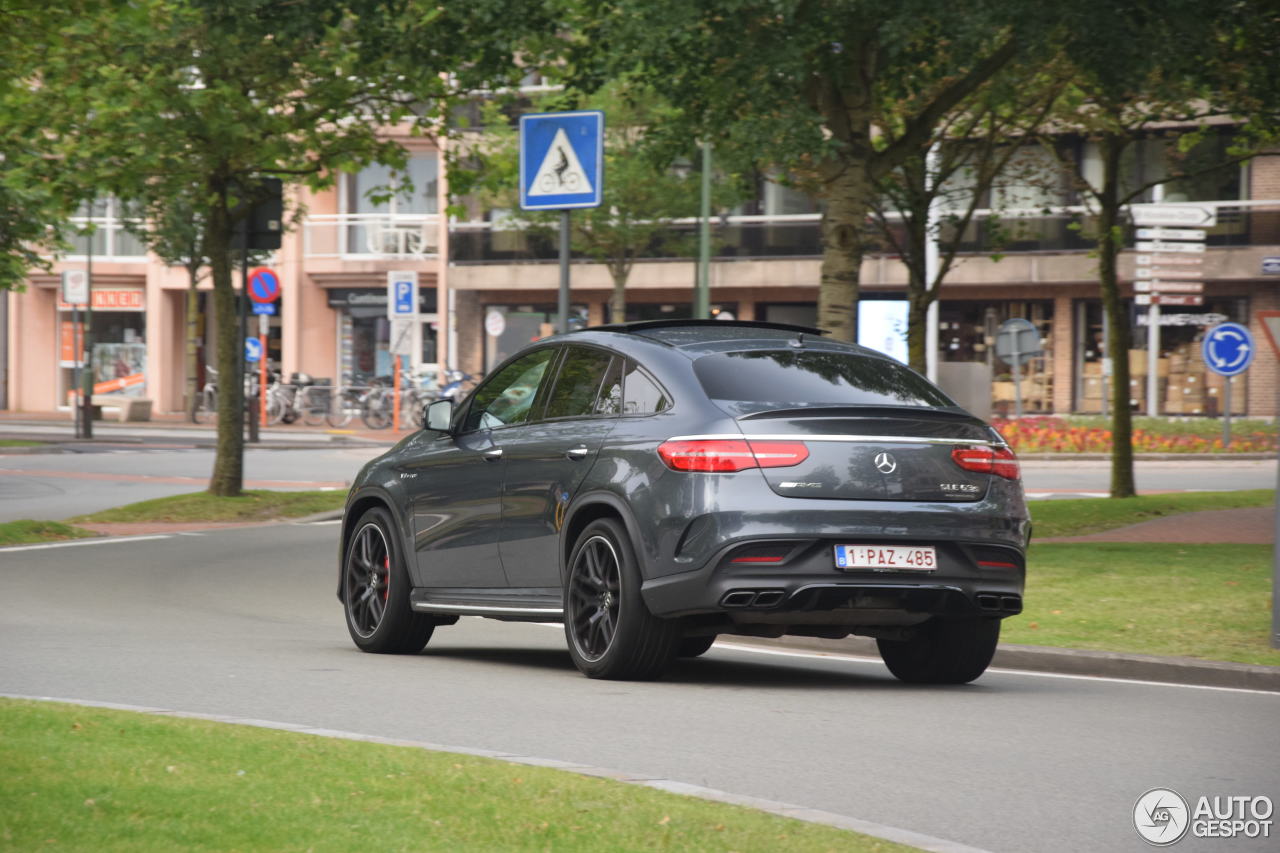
(395, 392)
(1017, 379)
(86, 339)
(77, 408)
(563, 305)
(1226, 413)
(262, 369)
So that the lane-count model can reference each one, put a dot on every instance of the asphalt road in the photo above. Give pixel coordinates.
(59, 485)
(245, 623)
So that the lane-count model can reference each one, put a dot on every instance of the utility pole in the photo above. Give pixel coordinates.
(702, 291)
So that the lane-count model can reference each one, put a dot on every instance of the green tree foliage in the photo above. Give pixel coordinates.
(645, 188)
(150, 98)
(977, 147)
(842, 91)
(1144, 72)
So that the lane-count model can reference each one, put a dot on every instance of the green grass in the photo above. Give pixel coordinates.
(1204, 601)
(1081, 516)
(256, 505)
(26, 532)
(19, 442)
(75, 778)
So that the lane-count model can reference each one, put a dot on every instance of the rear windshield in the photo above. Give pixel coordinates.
(797, 378)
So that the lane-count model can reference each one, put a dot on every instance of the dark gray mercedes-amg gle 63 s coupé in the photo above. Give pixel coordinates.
(653, 485)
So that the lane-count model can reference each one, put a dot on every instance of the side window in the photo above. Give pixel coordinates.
(578, 383)
(506, 397)
(642, 396)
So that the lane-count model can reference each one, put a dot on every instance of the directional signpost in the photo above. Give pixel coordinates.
(561, 168)
(1171, 246)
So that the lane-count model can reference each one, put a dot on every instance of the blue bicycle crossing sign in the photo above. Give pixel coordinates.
(252, 349)
(1228, 349)
(561, 160)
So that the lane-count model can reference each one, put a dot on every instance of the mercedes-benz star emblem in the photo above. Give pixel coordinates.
(885, 463)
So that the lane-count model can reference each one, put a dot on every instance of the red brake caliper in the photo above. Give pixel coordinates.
(386, 590)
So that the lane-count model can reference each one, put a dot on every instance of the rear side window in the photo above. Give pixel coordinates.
(792, 378)
(642, 396)
(578, 384)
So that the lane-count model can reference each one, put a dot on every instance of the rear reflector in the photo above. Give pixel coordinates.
(758, 559)
(987, 460)
(727, 455)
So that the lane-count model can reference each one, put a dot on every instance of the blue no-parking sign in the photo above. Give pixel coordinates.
(561, 160)
(1228, 349)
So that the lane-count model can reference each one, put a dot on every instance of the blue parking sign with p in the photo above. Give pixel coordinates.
(562, 160)
(402, 295)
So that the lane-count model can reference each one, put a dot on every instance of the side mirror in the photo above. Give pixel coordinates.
(439, 415)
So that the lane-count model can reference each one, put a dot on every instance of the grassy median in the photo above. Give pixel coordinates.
(74, 778)
(252, 505)
(27, 532)
(1204, 601)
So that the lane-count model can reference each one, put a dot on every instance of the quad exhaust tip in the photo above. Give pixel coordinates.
(990, 601)
(740, 598)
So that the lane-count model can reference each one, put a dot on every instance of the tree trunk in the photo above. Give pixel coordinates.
(1110, 237)
(228, 462)
(848, 198)
(618, 299)
(917, 321)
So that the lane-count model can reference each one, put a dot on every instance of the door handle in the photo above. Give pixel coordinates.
(492, 454)
(576, 453)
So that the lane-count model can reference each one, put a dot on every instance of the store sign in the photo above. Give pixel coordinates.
(376, 297)
(116, 299)
(1206, 319)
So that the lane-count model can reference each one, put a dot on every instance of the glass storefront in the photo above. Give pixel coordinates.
(1184, 385)
(119, 351)
(364, 332)
(967, 333)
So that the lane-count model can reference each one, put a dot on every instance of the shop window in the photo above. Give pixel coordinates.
(967, 333)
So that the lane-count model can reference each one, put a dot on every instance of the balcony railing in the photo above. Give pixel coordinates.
(382, 235)
(1057, 229)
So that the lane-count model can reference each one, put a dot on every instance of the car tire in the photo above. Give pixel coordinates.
(943, 651)
(375, 590)
(610, 632)
(692, 647)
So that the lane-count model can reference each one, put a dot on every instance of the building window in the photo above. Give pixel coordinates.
(388, 210)
(110, 237)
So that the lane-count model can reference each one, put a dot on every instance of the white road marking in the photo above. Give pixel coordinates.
(82, 542)
(799, 653)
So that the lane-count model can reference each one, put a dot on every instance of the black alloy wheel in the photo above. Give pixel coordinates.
(595, 596)
(610, 631)
(375, 591)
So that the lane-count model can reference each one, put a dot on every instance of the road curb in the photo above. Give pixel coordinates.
(327, 515)
(1129, 667)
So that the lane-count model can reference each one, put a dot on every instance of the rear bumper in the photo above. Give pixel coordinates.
(973, 578)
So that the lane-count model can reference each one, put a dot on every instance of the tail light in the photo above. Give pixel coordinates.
(987, 460)
(727, 455)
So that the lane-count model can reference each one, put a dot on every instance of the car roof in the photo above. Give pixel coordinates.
(701, 337)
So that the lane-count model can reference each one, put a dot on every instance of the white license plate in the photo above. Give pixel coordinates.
(886, 558)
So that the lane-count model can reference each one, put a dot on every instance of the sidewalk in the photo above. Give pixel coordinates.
(58, 426)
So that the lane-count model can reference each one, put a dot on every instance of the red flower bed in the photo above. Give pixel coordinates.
(1055, 435)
